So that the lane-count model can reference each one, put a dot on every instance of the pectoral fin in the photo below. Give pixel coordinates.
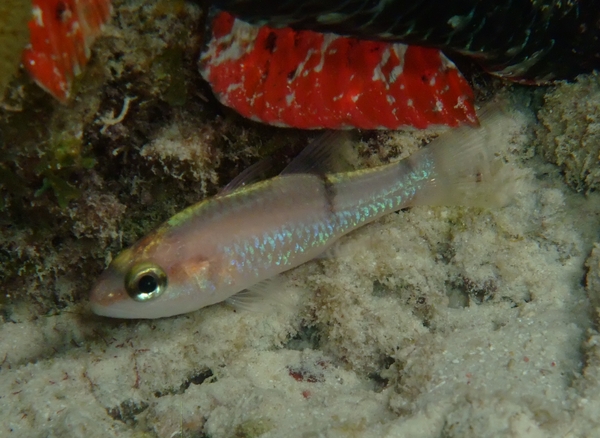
(260, 297)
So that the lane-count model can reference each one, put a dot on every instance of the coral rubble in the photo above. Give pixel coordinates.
(569, 134)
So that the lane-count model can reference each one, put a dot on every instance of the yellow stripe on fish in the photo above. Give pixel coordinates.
(229, 243)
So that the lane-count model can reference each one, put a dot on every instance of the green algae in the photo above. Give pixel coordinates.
(170, 70)
(63, 191)
(62, 159)
(14, 34)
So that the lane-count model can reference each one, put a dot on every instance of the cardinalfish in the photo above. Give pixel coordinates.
(234, 242)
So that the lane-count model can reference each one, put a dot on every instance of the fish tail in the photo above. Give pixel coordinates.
(467, 163)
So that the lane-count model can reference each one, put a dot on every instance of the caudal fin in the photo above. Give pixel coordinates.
(469, 168)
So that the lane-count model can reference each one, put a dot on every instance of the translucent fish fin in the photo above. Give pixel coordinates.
(325, 154)
(259, 297)
(255, 173)
(469, 168)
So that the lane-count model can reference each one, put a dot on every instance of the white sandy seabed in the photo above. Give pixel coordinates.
(433, 322)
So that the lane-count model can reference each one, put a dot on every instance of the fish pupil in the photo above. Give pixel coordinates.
(147, 284)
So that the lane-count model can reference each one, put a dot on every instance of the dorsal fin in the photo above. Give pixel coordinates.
(324, 154)
(256, 172)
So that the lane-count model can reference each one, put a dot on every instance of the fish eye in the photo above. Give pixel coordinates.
(145, 281)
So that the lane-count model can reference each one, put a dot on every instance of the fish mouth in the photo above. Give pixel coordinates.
(100, 310)
(109, 298)
(108, 294)
(121, 310)
(129, 309)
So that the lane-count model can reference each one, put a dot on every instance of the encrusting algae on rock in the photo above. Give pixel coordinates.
(569, 134)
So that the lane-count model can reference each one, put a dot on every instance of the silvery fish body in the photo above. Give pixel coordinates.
(522, 40)
(228, 243)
